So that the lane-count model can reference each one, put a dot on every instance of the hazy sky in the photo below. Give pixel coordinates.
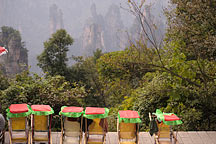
(31, 17)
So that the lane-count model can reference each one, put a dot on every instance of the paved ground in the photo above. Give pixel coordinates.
(192, 137)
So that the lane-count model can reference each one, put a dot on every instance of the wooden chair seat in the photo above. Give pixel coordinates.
(71, 140)
(23, 139)
(165, 142)
(95, 141)
(41, 139)
(127, 142)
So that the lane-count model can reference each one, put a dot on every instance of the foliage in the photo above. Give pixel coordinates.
(192, 104)
(7, 34)
(193, 22)
(191, 45)
(53, 59)
(85, 73)
(129, 65)
(54, 91)
(164, 78)
(4, 83)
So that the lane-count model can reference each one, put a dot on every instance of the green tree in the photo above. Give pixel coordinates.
(85, 73)
(168, 78)
(53, 59)
(194, 23)
(4, 83)
(33, 89)
(50, 90)
(191, 45)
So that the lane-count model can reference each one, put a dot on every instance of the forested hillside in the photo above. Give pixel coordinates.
(175, 73)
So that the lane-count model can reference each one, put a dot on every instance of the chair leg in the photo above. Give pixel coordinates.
(104, 141)
(31, 139)
(50, 138)
(10, 138)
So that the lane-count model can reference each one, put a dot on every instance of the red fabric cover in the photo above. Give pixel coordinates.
(2, 49)
(18, 108)
(128, 114)
(72, 109)
(41, 108)
(172, 117)
(94, 110)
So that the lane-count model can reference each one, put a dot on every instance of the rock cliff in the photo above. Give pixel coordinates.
(103, 32)
(115, 36)
(16, 60)
(55, 19)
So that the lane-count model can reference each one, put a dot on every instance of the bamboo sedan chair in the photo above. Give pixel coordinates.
(165, 121)
(95, 133)
(128, 127)
(41, 119)
(18, 115)
(71, 125)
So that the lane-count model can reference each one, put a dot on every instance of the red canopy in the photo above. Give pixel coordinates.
(128, 114)
(3, 51)
(94, 110)
(72, 109)
(41, 108)
(18, 108)
(171, 117)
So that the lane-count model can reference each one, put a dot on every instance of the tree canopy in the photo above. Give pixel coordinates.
(194, 23)
(53, 59)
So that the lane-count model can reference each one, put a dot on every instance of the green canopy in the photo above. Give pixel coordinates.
(74, 112)
(129, 116)
(167, 118)
(42, 110)
(94, 114)
(19, 114)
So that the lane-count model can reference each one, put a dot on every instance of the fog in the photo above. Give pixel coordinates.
(33, 18)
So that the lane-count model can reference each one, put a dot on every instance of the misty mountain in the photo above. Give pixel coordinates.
(38, 19)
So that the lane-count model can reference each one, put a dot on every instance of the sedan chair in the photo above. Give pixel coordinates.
(128, 127)
(41, 120)
(18, 116)
(71, 125)
(95, 133)
(165, 121)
